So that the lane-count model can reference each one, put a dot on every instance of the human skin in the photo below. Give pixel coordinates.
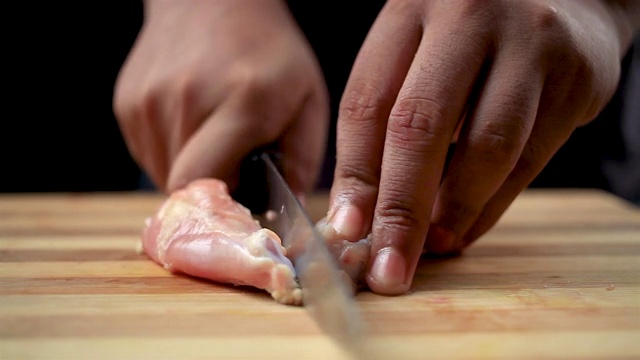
(206, 82)
(508, 81)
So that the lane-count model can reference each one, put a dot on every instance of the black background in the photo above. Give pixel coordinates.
(61, 61)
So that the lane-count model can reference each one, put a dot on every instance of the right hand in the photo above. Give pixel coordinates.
(516, 78)
(208, 81)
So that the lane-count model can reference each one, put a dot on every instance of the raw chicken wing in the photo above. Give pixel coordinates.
(202, 231)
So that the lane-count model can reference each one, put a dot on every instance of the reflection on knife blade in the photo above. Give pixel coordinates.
(325, 293)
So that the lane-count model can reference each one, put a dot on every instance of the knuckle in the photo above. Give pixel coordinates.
(361, 103)
(358, 177)
(249, 80)
(125, 104)
(533, 159)
(121, 105)
(182, 107)
(255, 89)
(538, 30)
(398, 211)
(263, 131)
(139, 105)
(416, 120)
(405, 7)
(122, 94)
(552, 33)
(471, 8)
(497, 147)
(546, 18)
(147, 104)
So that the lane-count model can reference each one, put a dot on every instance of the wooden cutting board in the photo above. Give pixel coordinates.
(559, 277)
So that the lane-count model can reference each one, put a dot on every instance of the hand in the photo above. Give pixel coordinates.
(515, 77)
(208, 81)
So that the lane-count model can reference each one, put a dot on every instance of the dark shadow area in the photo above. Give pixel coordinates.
(60, 133)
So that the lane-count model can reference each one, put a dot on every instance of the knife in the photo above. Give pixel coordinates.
(330, 302)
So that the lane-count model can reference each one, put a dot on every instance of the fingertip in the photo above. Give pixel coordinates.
(389, 273)
(347, 220)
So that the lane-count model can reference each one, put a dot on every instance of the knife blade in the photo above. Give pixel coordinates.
(325, 294)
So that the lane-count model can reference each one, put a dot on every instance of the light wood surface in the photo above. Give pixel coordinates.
(558, 277)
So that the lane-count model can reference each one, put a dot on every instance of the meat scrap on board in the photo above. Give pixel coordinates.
(202, 231)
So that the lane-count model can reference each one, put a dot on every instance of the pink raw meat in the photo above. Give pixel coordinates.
(351, 256)
(201, 231)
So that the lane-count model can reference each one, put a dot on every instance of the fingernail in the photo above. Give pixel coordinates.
(347, 221)
(389, 270)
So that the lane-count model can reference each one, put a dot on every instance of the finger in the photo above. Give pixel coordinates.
(488, 148)
(147, 139)
(374, 82)
(155, 155)
(303, 145)
(156, 120)
(547, 136)
(243, 122)
(421, 126)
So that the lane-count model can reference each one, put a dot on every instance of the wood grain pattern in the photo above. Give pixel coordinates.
(558, 277)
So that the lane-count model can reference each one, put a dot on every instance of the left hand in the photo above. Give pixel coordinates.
(516, 77)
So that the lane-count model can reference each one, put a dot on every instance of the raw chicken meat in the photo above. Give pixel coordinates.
(352, 257)
(202, 231)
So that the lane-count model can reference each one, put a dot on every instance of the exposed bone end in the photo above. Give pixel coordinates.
(352, 256)
(293, 297)
(284, 287)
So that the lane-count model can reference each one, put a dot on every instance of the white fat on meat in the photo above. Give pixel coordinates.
(351, 256)
(202, 231)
